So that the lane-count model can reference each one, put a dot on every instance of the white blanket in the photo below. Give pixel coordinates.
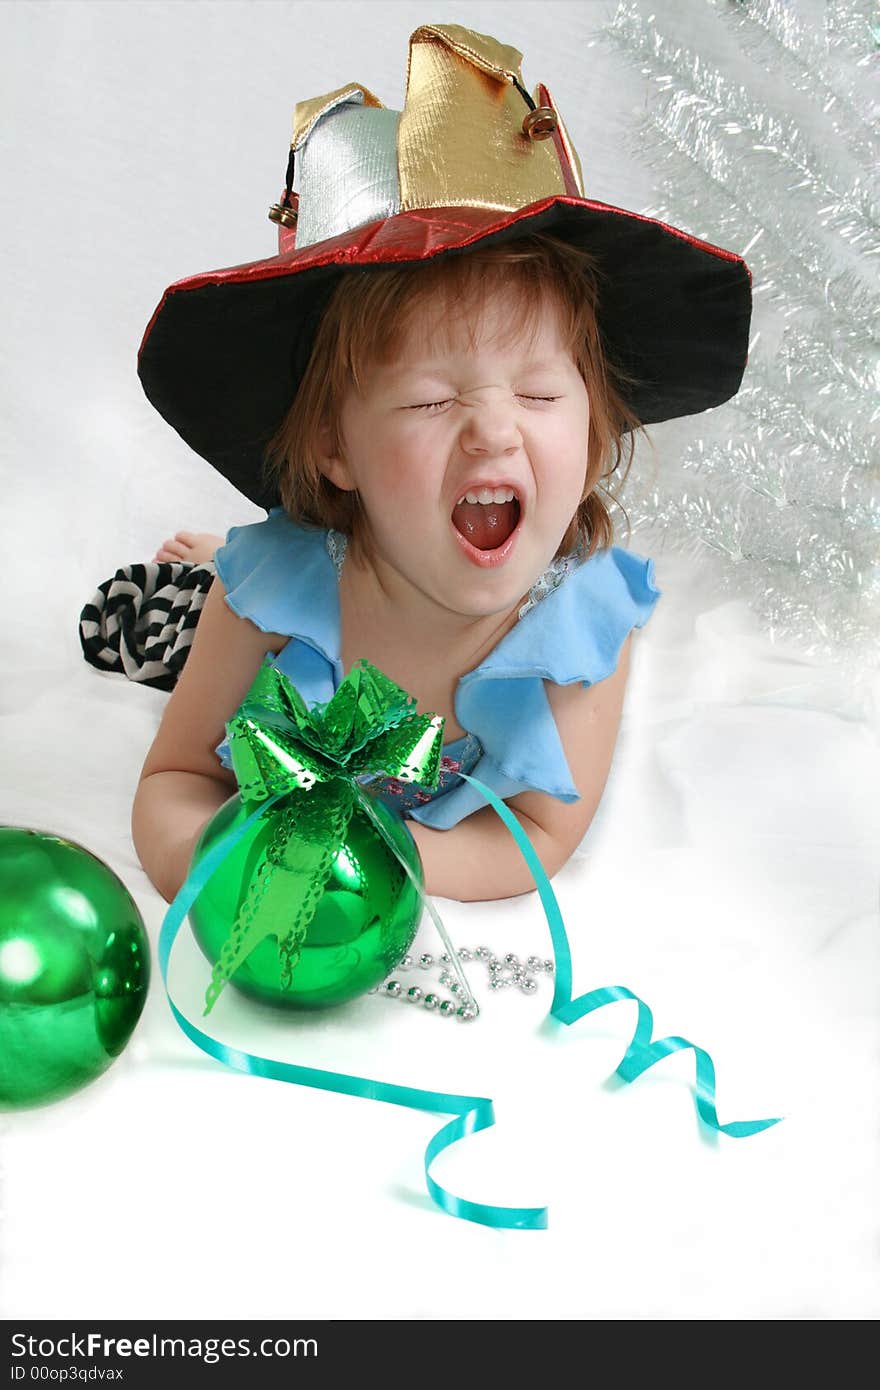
(729, 880)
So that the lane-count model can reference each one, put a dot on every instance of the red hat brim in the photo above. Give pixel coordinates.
(224, 352)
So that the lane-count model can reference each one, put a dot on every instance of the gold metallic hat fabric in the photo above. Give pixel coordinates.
(472, 157)
(459, 141)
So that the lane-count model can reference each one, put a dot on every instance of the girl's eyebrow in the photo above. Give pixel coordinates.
(393, 373)
(439, 367)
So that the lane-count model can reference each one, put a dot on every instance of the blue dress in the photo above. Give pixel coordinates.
(285, 578)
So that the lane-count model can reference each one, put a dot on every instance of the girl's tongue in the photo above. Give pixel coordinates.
(486, 524)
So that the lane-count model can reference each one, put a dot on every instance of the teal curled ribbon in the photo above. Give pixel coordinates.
(642, 1052)
(471, 1113)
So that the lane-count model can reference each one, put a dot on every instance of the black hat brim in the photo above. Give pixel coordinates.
(223, 355)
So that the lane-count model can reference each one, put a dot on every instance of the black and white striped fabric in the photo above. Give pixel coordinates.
(141, 623)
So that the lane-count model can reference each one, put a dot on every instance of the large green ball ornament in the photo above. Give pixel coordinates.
(366, 918)
(74, 967)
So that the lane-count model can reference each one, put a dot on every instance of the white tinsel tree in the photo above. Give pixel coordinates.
(779, 490)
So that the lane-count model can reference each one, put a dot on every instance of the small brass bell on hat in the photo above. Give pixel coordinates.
(285, 215)
(540, 123)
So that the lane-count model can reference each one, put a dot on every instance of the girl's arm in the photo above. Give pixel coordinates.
(182, 782)
(478, 858)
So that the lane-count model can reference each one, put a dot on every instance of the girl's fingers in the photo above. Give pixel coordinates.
(171, 550)
(192, 547)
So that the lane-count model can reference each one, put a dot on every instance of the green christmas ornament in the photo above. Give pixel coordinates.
(321, 898)
(365, 916)
(74, 967)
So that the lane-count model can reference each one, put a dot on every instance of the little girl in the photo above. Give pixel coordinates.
(426, 389)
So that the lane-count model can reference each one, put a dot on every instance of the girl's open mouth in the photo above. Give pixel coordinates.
(487, 518)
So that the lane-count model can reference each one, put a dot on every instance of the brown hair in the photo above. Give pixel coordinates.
(363, 322)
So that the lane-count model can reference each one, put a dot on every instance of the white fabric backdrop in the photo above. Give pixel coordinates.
(729, 877)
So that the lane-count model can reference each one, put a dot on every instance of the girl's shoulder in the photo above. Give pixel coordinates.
(576, 618)
(280, 575)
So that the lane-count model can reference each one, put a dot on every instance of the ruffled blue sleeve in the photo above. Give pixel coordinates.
(574, 634)
(280, 576)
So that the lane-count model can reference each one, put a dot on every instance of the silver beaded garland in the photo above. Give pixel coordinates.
(505, 972)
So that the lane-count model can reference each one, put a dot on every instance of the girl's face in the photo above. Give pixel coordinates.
(469, 455)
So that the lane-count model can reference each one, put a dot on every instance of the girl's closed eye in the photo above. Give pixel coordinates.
(438, 405)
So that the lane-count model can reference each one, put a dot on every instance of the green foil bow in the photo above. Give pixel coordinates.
(278, 745)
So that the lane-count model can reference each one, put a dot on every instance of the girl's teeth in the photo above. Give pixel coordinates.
(488, 495)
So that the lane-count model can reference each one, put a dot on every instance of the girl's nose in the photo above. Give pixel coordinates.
(490, 425)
